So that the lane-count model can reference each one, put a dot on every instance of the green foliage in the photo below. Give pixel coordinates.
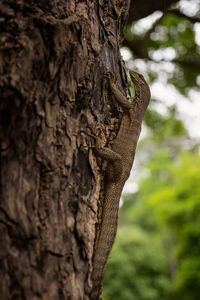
(176, 204)
(164, 127)
(170, 201)
(177, 33)
(137, 268)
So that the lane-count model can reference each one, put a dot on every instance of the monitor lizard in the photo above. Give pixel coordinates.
(120, 159)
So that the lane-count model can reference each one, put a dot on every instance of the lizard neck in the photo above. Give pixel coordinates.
(142, 93)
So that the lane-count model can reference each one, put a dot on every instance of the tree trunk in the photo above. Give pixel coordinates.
(53, 57)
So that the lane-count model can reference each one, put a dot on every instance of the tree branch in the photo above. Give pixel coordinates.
(178, 13)
(141, 9)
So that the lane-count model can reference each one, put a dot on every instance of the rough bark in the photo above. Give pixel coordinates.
(53, 56)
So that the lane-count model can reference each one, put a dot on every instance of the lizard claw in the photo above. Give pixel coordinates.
(110, 76)
(85, 147)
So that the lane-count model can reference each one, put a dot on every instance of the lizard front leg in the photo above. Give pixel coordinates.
(114, 168)
(121, 99)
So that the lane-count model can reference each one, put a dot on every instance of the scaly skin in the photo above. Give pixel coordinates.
(120, 160)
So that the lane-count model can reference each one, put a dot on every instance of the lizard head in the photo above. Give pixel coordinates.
(142, 93)
(139, 81)
(137, 78)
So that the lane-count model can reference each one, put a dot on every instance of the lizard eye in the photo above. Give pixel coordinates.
(141, 76)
